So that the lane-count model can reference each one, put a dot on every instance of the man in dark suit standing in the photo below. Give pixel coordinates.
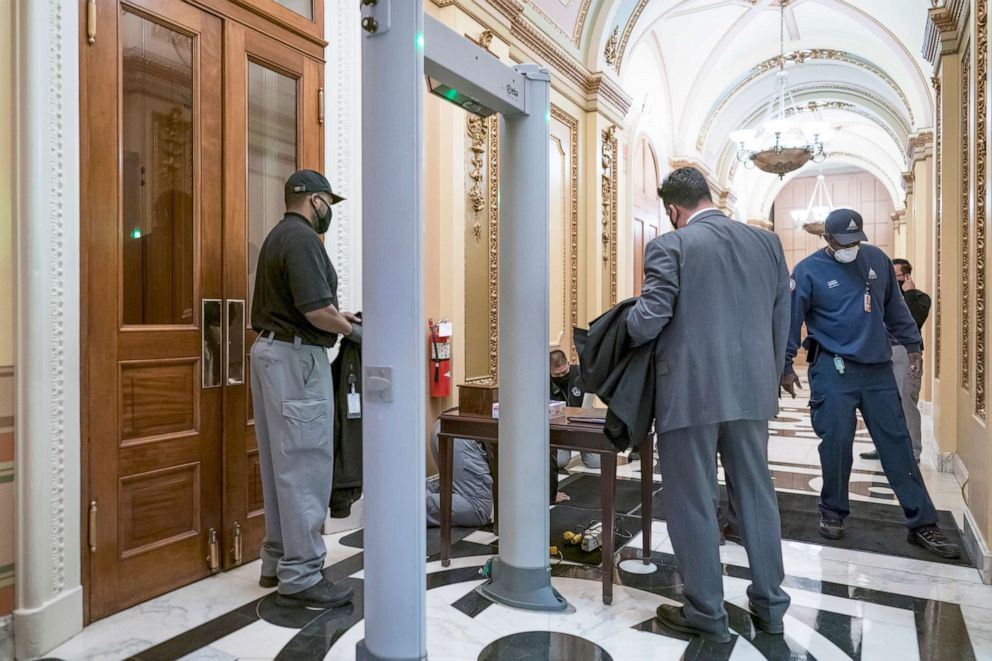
(716, 298)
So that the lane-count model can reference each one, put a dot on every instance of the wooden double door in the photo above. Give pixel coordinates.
(193, 114)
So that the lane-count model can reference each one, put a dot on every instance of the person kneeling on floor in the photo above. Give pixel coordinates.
(849, 299)
(472, 484)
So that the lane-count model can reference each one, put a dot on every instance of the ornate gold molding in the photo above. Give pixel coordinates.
(938, 222)
(610, 51)
(981, 153)
(608, 181)
(591, 86)
(572, 302)
(477, 133)
(628, 29)
(919, 147)
(965, 222)
(493, 193)
(945, 20)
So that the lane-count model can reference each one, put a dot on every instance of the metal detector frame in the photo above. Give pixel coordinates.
(399, 47)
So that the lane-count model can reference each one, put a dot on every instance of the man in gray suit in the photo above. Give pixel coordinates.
(716, 298)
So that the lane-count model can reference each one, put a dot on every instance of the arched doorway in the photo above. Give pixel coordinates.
(647, 206)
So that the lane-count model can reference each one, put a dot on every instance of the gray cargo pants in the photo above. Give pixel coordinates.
(293, 400)
(909, 391)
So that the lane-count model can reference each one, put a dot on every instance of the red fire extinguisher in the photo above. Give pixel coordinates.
(439, 340)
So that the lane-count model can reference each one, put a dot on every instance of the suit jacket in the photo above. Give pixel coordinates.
(716, 296)
(621, 374)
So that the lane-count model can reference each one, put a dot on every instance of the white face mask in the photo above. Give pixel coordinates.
(847, 255)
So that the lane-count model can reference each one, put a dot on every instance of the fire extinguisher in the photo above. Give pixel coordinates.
(440, 357)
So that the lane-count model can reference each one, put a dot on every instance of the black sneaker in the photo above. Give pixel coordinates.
(268, 581)
(321, 595)
(635, 455)
(674, 617)
(932, 539)
(870, 455)
(831, 527)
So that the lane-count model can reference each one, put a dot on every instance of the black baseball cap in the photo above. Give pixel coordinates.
(845, 226)
(310, 181)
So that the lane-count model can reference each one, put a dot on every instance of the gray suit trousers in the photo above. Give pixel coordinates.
(292, 395)
(689, 478)
(909, 391)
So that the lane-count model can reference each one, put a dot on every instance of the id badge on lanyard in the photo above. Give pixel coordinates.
(867, 297)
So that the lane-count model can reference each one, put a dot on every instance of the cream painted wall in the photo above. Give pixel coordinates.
(6, 182)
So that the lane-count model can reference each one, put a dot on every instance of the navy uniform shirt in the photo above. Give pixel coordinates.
(294, 276)
(830, 298)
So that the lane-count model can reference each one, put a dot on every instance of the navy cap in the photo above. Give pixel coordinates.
(845, 226)
(310, 181)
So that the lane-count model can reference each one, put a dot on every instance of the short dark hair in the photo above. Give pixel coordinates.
(295, 199)
(558, 358)
(907, 268)
(685, 187)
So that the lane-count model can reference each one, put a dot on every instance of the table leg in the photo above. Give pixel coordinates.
(607, 497)
(446, 461)
(647, 493)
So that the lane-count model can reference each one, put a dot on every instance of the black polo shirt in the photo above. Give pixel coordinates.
(294, 276)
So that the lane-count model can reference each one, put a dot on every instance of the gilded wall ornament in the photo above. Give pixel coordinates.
(608, 181)
(571, 303)
(938, 222)
(610, 52)
(493, 194)
(476, 130)
(981, 153)
(965, 223)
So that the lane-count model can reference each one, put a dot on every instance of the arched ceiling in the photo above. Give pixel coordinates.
(703, 68)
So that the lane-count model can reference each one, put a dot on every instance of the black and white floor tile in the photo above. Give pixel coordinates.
(845, 604)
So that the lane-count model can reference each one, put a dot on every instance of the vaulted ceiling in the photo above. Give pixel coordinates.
(700, 69)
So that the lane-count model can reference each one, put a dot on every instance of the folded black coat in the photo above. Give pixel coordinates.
(346, 372)
(620, 374)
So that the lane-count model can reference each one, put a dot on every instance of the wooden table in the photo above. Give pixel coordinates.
(565, 435)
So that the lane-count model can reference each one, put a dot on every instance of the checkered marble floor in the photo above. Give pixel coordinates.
(845, 604)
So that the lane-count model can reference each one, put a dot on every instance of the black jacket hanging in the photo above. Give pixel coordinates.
(346, 372)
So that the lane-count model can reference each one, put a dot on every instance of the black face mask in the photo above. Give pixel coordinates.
(323, 221)
(560, 382)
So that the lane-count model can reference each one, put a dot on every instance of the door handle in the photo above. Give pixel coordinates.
(234, 347)
(211, 351)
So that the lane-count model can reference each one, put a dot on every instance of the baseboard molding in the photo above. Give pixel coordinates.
(40, 630)
(959, 470)
(978, 549)
(7, 637)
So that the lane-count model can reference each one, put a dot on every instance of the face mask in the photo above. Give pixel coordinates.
(323, 220)
(673, 221)
(847, 255)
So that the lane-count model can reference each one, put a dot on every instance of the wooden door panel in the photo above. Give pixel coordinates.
(154, 468)
(279, 123)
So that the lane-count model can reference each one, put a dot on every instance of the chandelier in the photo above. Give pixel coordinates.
(781, 145)
(820, 205)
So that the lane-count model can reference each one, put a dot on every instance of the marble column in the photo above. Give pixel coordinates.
(49, 606)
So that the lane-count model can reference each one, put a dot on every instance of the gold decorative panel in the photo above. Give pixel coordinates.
(981, 153)
(965, 222)
(609, 207)
(568, 249)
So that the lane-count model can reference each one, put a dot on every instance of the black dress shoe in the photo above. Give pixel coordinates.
(870, 455)
(321, 595)
(932, 539)
(268, 581)
(674, 617)
(635, 455)
(831, 527)
(773, 628)
(731, 535)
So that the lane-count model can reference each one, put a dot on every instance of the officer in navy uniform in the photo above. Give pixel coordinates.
(566, 387)
(294, 310)
(849, 299)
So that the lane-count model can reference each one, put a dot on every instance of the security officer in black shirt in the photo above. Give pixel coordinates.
(295, 312)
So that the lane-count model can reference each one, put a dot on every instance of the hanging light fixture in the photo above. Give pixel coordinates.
(815, 214)
(780, 146)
